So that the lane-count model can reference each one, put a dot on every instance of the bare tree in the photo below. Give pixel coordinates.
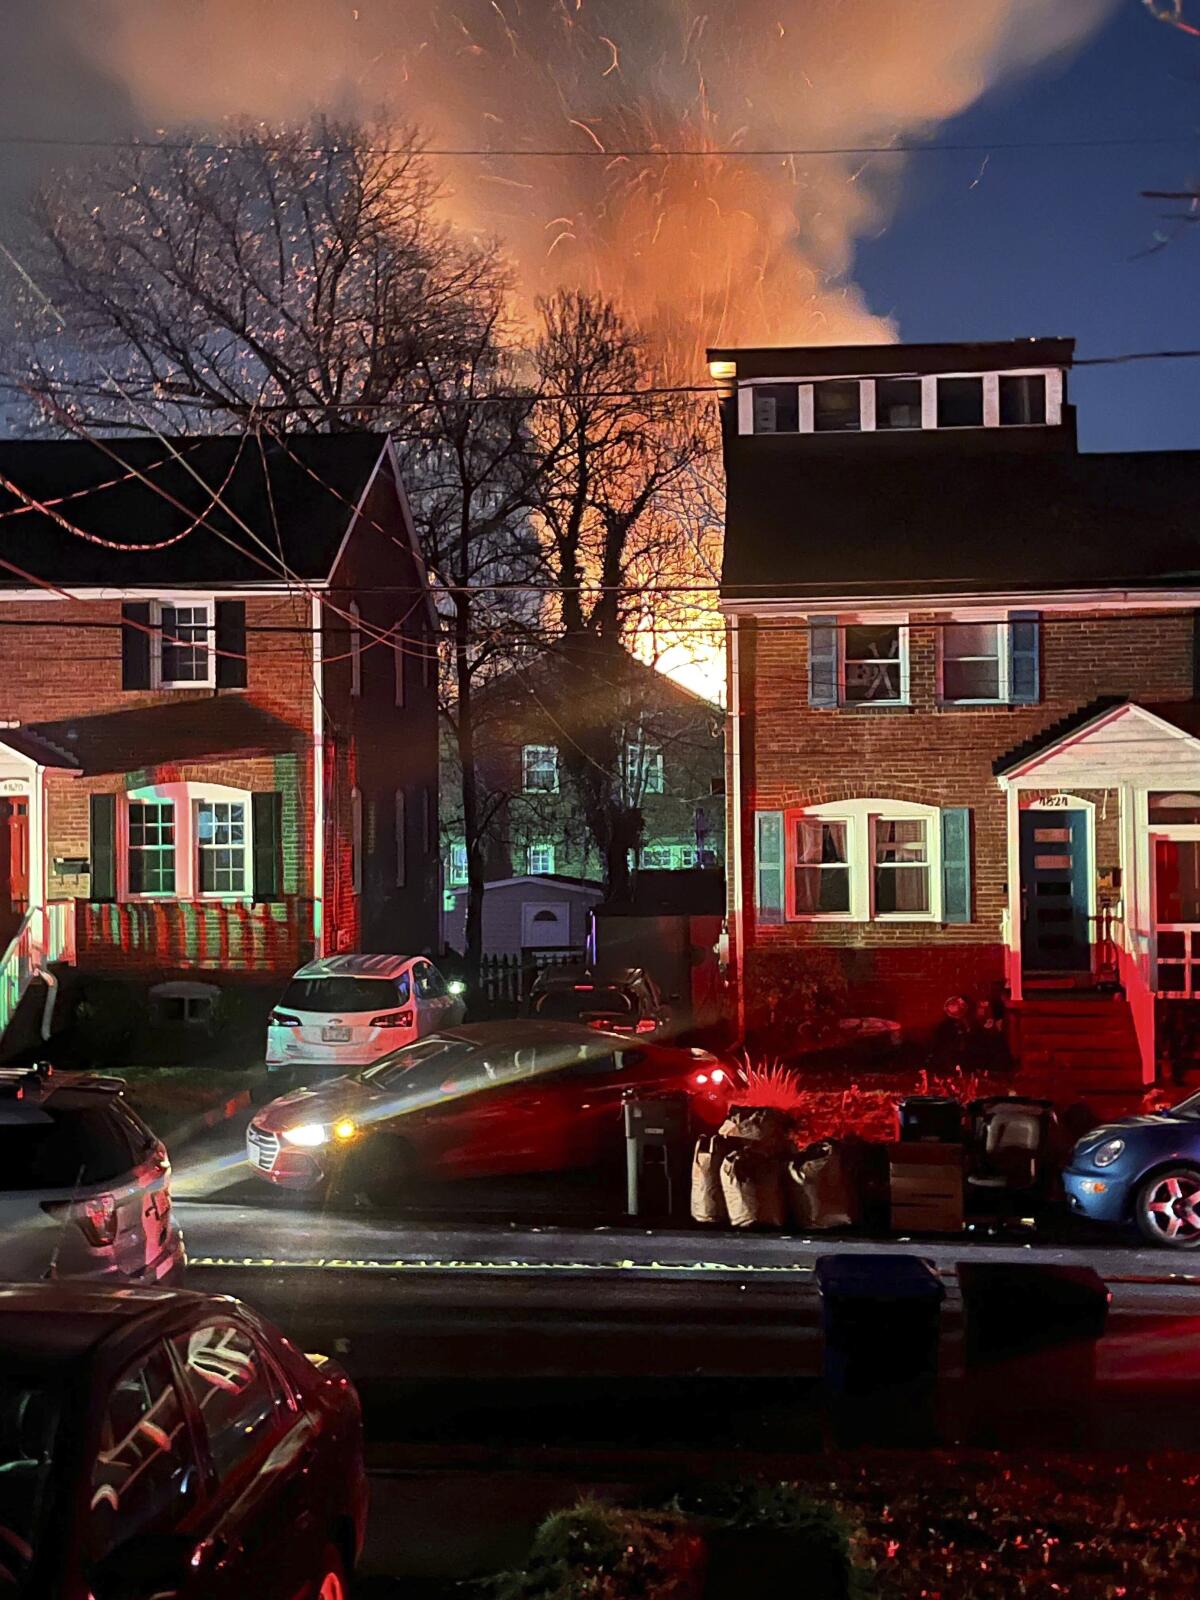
(298, 276)
(615, 445)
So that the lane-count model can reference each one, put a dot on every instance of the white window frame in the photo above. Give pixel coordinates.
(527, 764)
(398, 654)
(861, 818)
(928, 382)
(901, 658)
(187, 799)
(456, 864)
(643, 762)
(356, 840)
(401, 826)
(543, 847)
(127, 848)
(355, 616)
(169, 602)
(1003, 644)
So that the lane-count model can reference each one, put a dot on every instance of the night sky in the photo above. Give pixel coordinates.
(1052, 242)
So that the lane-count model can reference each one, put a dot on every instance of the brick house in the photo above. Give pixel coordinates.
(218, 723)
(964, 733)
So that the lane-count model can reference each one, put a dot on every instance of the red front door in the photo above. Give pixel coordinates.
(14, 854)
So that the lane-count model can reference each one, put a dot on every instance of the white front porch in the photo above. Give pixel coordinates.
(1103, 840)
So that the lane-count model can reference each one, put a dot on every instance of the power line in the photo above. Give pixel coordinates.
(600, 152)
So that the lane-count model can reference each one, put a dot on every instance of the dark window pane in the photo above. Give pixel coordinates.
(143, 1474)
(776, 408)
(1177, 883)
(971, 680)
(339, 994)
(569, 1005)
(822, 889)
(898, 403)
(835, 407)
(960, 402)
(1177, 806)
(72, 1147)
(900, 889)
(1022, 400)
(235, 1392)
(29, 1420)
(872, 662)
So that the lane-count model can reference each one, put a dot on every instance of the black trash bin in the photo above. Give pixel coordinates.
(881, 1318)
(1030, 1332)
(932, 1118)
(657, 1131)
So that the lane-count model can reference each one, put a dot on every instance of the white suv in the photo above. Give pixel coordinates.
(344, 1012)
(85, 1186)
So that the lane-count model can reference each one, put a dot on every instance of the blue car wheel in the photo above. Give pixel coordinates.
(1167, 1208)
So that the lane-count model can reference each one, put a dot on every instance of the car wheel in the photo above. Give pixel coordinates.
(331, 1585)
(381, 1171)
(1167, 1208)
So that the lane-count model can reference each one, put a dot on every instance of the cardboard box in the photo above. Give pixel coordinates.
(926, 1188)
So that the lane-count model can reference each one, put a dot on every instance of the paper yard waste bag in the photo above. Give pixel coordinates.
(708, 1197)
(760, 1125)
(820, 1190)
(752, 1183)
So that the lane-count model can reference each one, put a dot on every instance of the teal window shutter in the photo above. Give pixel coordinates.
(822, 661)
(1024, 658)
(268, 844)
(956, 864)
(768, 865)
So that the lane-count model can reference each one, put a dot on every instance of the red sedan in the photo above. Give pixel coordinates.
(483, 1099)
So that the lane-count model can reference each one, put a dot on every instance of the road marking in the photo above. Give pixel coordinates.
(340, 1263)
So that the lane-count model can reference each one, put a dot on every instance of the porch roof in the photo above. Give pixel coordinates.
(208, 728)
(1112, 741)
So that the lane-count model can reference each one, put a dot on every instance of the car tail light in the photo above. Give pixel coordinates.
(96, 1218)
(284, 1019)
(646, 1025)
(718, 1076)
(393, 1019)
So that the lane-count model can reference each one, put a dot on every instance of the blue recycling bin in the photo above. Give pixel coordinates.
(881, 1319)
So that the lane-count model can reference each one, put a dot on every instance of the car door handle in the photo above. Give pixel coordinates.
(220, 1549)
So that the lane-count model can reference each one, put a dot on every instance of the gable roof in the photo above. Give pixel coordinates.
(522, 684)
(887, 514)
(1176, 721)
(188, 729)
(306, 483)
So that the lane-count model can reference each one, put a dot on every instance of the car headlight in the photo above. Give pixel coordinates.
(456, 987)
(1104, 1155)
(308, 1133)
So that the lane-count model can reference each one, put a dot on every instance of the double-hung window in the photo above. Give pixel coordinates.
(183, 643)
(539, 769)
(900, 880)
(872, 664)
(821, 874)
(865, 861)
(644, 768)
(993, 661)
(221, 846)
(151, 851)
(540, 858)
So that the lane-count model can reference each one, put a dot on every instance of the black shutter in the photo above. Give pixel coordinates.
(230, 638)
(1196, 655)
(103, 857)
(268, 845)
(135, 645)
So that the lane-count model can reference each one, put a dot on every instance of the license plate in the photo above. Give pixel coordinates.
(335, 1035)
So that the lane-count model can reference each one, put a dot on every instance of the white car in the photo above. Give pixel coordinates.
(85, 1186)
(344, 1012)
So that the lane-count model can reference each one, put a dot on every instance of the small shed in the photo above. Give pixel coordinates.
(540, 911)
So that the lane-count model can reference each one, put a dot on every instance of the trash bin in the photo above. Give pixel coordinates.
(881, 1318)
(1030, 1332)
(656, 1141)
(931, 1118)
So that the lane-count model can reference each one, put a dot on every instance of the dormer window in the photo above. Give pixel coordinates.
(898, 403)
(1022, 399)
(836, 406)
(912, 403)
(960, 403)
(777, 408)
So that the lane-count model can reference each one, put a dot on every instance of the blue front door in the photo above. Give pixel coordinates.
(1055, 936)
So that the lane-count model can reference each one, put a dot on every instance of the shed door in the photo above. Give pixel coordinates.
(545, 925)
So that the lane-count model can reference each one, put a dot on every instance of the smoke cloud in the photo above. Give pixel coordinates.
(742, 249)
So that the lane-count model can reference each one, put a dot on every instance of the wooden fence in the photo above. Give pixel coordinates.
(505, 981)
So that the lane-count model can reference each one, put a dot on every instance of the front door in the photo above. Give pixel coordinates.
(14, 854)
(1055, 935)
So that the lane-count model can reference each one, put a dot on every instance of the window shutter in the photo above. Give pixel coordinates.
(267, 812)
(135, 645)
(229, 636)
(956, 864)
(822, 661)
(103, 850)
(1196, 654)
(768, 865)
(1024, 658)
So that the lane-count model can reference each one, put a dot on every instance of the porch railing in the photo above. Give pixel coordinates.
(1177, 960)
(17, 968)
(1106, 931)
(60, 931)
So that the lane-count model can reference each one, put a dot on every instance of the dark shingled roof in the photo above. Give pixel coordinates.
(889, 514)
(104, 500)
(187, 729)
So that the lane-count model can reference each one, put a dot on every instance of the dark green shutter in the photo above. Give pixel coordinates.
(103, 848)
(230, 638)
(768, 865)
(822, 661)
(268, 844)
(135, 645)
(1024, 664)
(956, 864)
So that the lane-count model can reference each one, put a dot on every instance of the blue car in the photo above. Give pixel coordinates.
(1144, 1170)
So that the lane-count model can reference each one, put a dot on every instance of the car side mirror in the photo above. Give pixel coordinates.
(150, 1566)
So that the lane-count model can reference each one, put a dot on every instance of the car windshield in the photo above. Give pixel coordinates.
(401, 1062)
(334, 996)
(1187, 1108)
(63, 1147)
(584, 1000)
(451, 1066)
(29, 1414)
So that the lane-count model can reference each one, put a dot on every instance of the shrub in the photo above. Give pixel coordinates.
(599, 1552)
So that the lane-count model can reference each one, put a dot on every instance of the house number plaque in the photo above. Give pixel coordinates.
(1052, 802)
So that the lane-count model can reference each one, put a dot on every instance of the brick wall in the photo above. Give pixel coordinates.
(796, 755)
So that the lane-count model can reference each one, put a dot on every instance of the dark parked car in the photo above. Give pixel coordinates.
(622, 1002)
(1145, 1170)
(156, 1443)
(489, 1097)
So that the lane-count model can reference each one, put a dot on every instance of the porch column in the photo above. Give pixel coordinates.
(37, 857)
(1013, 953)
